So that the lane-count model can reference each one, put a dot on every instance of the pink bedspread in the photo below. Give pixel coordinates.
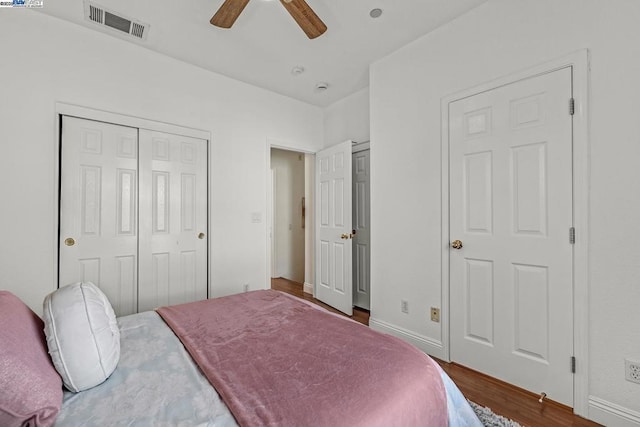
(277, 361)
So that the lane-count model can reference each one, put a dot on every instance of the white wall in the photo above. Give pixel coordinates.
(347, 119)
(496, 39)
(289, 167)
(54, 61)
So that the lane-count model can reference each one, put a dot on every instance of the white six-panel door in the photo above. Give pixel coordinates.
(511, 208)
(98, 209)
(333, 227)
(173, 219)
(362, 226)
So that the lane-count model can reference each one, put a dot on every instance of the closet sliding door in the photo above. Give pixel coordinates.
(133, 214)
(98, 209)
(173, 219)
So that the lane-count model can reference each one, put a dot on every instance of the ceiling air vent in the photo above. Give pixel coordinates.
(115, 21)
(96, 14)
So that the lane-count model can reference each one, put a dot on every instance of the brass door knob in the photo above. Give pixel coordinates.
(201, 236)
(456, 244)
(69, 241)
(344, 236)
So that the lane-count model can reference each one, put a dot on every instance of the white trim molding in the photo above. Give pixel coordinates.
(360, 146)
(126, 120)
(579, 64)
(307, 288)
(610, 414)
(428, 345)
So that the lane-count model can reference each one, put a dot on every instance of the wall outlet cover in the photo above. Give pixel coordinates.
(404, 306)
(632, 370)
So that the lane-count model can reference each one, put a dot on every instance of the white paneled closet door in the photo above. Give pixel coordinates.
(98, 218)
(133, 214)
(173, 219)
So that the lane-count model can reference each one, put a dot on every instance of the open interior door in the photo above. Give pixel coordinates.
(334, 281)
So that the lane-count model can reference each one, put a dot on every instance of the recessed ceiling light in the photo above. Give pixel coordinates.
(297, 70)
(375, 13)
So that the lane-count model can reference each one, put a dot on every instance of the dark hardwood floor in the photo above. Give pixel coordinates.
(504, 399)
(510, 401)
(295, 289)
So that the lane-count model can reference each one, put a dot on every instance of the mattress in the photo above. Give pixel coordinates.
(157, 383)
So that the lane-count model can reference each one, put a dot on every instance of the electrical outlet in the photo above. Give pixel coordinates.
(246, 287)
(632, 371)
(404, 306)
(435, 314)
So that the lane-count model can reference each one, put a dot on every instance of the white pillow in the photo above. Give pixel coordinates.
(82, 335)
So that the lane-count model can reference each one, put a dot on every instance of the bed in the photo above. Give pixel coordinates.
(272, 359)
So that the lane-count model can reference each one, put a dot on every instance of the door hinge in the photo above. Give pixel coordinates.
(572, 106)
(572, 235)
(573, 364)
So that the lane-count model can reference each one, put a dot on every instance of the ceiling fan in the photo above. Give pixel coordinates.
(299, 10)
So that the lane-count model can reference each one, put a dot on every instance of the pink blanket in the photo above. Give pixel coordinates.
(277, 361)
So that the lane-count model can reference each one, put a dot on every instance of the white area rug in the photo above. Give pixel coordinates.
(490, 419)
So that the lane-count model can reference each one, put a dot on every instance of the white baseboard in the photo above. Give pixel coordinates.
(428, 345)
(307, 288)
(610, 414)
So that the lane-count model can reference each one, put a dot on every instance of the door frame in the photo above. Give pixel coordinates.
(272, 196)
(309, 253)
(64, 109)
(579, 62)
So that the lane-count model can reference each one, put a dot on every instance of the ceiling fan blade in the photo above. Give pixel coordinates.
(305, 17)
(228, 13)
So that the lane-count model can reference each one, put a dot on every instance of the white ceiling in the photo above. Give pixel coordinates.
(265, 43)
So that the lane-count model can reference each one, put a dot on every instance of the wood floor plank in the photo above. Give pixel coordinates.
(511, 401)
(504, 399)
(296, 289)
